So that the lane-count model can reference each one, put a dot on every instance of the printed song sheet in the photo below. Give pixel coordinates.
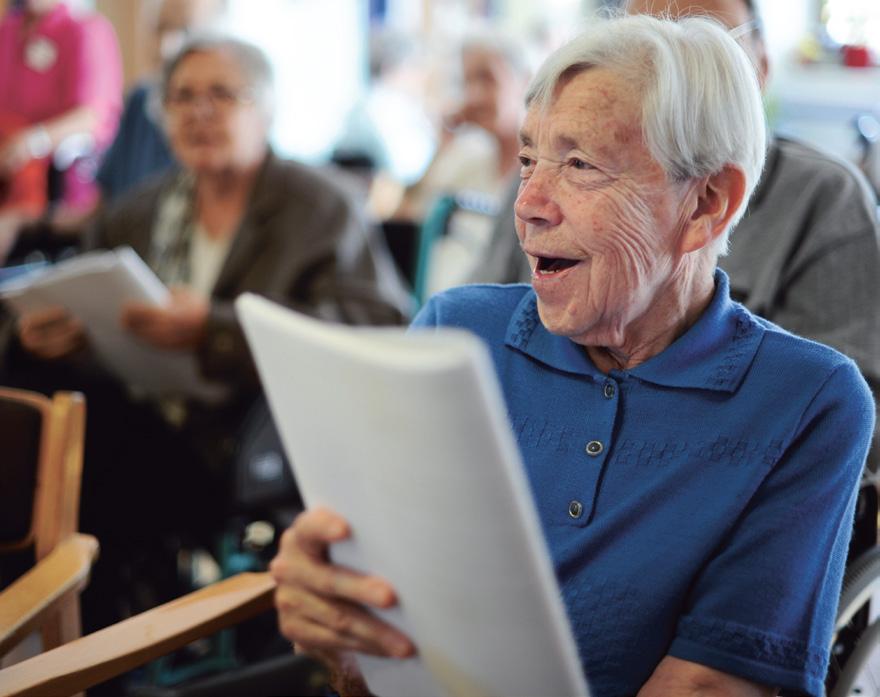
(405, 435)
(94, 287)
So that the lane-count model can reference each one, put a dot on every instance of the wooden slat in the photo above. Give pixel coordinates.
(126, 645)
(43, 589)
(57, 506)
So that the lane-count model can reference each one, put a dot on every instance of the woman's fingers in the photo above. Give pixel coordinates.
(320, 604)
(302, 561)
(318, 622)
(51, 333)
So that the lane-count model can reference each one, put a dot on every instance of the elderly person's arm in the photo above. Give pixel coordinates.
(677, 678)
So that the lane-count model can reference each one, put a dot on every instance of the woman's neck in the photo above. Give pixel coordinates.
(221, 200)
(678, 308)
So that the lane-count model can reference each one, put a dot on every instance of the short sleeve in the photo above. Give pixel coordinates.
(763, 607)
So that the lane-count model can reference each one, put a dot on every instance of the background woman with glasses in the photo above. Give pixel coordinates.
(232, 218)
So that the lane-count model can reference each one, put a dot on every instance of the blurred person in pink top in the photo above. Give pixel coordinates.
(61, 73)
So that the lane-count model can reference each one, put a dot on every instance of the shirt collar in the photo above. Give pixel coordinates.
(714, 354)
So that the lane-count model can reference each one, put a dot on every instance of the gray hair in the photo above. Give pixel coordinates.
(502, 43)
(701, 104)
(254, 65)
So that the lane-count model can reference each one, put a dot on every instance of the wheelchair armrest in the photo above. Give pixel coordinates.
(133, 642)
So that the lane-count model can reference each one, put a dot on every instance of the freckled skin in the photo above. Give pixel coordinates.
(591, 191)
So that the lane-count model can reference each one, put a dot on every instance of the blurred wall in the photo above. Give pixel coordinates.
(124, 16)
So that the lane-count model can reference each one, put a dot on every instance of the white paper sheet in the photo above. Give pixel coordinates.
(93, 287)
(406, 437)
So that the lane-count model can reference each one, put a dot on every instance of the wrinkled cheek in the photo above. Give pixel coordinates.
(520, 228)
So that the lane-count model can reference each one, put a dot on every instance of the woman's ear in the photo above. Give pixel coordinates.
(718, 197)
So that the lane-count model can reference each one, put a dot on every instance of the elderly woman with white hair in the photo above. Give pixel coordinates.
(694, 467)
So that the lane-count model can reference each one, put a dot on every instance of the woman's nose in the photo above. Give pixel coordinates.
(536, 201)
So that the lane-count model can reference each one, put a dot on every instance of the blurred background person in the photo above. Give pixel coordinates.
(62, 74)
(476, 155)
(233, 218)
(478, 141)
(140, 148)
(388, 135)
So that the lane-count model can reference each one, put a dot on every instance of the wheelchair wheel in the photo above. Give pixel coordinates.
(856, 645)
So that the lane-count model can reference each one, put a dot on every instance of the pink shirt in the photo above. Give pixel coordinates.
(65, 62)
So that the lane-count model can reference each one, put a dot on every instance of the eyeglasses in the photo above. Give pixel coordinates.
(219, 97)
(743, 29)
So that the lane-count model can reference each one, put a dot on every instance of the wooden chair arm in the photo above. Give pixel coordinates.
(135, 641)
(25, 604)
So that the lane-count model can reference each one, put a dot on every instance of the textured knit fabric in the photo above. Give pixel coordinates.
(807, 255)
(698, 505)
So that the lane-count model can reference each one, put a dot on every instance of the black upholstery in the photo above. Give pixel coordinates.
(263, 476)
(20, 428)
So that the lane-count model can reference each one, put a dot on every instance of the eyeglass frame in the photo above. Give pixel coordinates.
(218, 97)
(744, 29)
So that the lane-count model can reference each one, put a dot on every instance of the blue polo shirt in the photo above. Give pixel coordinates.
(698, 505)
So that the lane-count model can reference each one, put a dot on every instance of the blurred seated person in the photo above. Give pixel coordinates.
(694, 467)
(478, 141)
(140, 148)
(388, 134)
(63, 74)
(233, 218)
(476, 154)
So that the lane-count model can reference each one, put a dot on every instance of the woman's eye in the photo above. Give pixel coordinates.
(577, 163)
(525, 161)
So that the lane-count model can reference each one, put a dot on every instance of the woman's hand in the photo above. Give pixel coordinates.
(50, 334)
(322, 607)
(179, 325)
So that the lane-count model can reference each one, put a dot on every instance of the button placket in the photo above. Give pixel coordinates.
(597, 430)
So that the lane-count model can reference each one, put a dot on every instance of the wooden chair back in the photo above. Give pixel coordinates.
(41, 469)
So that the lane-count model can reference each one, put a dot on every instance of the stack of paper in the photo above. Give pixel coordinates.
(405, 435)
(94, 287)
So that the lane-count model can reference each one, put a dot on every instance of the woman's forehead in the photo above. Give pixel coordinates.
(593, 104)
(218, 65)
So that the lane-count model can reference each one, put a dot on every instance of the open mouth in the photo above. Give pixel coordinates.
(550, 265)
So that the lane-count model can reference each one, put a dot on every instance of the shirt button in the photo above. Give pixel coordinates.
(575, 509)
(595, 447)
(609, 390)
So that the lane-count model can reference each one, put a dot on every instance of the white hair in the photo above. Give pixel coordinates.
(701, 103)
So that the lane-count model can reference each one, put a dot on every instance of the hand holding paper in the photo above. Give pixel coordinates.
(178, 324)
(321, 604)
(51, 333)
(406, 436)
(94, 288)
